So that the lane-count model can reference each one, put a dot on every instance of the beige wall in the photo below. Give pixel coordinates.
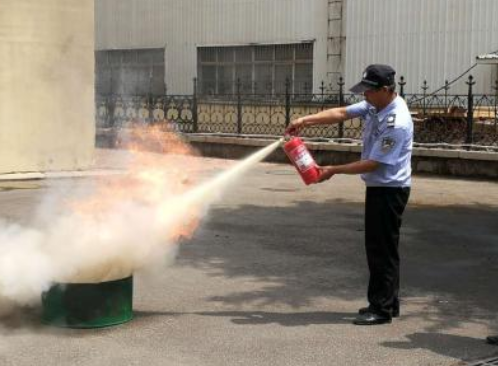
(180, 26)
(46, 85)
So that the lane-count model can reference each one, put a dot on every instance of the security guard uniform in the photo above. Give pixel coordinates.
(387, 139)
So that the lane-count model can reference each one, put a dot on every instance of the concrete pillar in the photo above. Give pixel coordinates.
(46, 85)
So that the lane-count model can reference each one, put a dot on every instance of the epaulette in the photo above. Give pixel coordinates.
(391, 120)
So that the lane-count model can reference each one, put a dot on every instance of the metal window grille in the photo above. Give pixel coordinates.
(127, 72)
(255, 69)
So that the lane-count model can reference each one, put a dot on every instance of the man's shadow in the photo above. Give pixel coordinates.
(449, 345)
(293, 319)
(30, 318)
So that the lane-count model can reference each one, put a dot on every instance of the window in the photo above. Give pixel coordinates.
(260, 69)
(130, 72)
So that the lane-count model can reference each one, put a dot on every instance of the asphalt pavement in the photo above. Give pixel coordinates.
(275, 274)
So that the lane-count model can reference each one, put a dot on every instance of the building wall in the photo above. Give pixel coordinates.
(433, 40)
(47, 85)
(436, 40)
(181, 25)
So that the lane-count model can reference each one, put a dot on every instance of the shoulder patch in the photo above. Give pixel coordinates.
(387, 144)
(391, 120)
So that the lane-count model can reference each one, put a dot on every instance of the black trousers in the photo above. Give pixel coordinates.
(384, 208)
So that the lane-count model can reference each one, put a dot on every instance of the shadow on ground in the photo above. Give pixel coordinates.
(313, 250)
(285, 319)
(290, 319)
(451, 345)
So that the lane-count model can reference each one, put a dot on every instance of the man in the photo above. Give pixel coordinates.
(385, 167)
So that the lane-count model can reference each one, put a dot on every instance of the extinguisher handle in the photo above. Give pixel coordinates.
(289, 134)
(291, 131)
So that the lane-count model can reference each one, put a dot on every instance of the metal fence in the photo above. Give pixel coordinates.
(441, 118)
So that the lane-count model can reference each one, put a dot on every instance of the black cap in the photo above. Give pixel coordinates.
(375, 77)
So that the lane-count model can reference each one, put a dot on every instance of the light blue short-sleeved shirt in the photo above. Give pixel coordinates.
(387, 139)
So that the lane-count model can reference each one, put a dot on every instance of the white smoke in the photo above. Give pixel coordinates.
(80, 235)
(25, 267)
(75, 247)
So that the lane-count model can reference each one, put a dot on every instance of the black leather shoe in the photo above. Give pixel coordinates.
(371, 319)
(364, 310)
(492, 340)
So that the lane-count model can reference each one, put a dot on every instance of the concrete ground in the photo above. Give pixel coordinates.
(275, 274)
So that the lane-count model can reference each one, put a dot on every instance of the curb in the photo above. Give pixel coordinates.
(58, 175)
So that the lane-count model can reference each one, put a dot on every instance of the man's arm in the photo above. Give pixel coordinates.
(357, 167)
(326, 117)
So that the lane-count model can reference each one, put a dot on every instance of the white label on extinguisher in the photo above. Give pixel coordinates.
(304, 160)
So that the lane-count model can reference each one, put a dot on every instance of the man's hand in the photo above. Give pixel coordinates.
(326, 172)
(295, 126)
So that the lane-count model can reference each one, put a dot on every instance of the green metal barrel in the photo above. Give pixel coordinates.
(88, 305)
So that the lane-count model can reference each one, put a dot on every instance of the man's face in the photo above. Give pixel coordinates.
(377, 97)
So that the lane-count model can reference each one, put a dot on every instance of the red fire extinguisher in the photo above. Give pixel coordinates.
(299, 155)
